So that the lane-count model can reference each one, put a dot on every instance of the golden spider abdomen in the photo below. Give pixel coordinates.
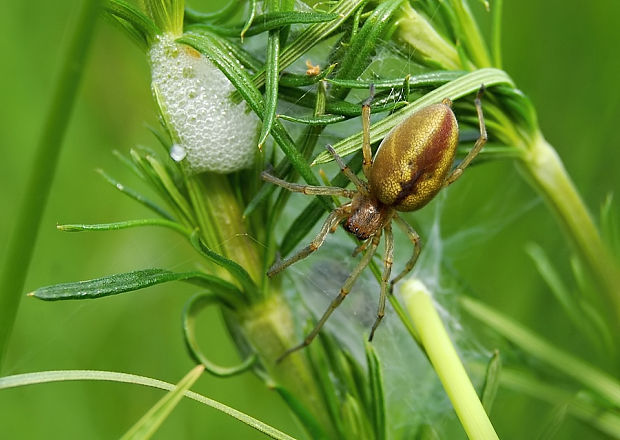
(414, 159)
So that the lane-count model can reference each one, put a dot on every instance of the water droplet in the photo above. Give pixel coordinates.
(177, 152)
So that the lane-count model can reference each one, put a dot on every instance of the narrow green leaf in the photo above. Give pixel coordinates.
(321, 369)
(584, 373)
(152, 420)
(430, 79)
(152, 178)
(311, 425)
(293, 80)
(355, 420)
(125, 225)
(129, 163)
(334, 105)
(469, 34)
(133, 20)
(265, 22)
(193, 306)
(496, 33)
(375, 377)
(237, 272)
(491, 381)
(135, 195)
(170, 187)
(271, 75)
(249, 21)
(454, 90)
(126, 282)
(313, 120)
(610, 224)
(19, 380)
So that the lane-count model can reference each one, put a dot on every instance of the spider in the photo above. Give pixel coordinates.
(412, 164)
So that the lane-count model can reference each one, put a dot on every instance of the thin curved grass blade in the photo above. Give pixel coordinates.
(19, 380)
(152, 420)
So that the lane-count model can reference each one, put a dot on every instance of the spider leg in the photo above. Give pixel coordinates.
(458, 171)
(387, 269)
(308, 189)
(344, 290)
(361, 186)
(361, 248)
(367, 163)
(415, 239)
(335, 217)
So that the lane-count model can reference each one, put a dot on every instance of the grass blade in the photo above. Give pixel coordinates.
(152, 420)
(19, 380)
(24, 236)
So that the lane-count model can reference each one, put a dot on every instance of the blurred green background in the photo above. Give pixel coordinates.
(562, 54)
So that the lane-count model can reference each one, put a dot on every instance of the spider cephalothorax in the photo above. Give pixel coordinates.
(412, 164)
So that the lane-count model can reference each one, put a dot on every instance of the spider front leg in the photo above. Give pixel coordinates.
(482, 140)
(415, 239)
(335, 217)
(308, 189)
(387, 269)
(344, 290)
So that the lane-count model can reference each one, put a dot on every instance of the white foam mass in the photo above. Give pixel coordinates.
(215, 134)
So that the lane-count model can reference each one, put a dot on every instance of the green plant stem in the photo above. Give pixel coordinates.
(222, 216)
(417, 32)
(21, 244)
(446, 362)
(268, 326)
(544, 168)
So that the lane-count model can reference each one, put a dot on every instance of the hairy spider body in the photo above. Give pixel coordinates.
(368, 215)
(412, 164)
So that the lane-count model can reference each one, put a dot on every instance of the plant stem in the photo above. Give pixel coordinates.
(446, 362)
(547, 173)
(222, 222)
(268, 326)
(21, 244)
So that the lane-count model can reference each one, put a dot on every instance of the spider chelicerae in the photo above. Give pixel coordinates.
(412, 164)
